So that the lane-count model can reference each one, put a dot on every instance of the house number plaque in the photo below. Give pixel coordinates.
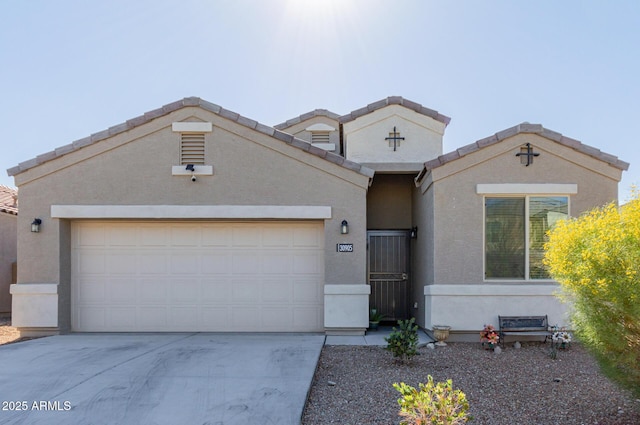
(345, 247)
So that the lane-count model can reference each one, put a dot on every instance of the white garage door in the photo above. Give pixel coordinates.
(175, 276)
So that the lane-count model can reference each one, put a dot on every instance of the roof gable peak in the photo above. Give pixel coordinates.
(184, 103)
(395, 100)
(527, 128)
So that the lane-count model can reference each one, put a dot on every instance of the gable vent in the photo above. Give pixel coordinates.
(192, 148)
(320, 137)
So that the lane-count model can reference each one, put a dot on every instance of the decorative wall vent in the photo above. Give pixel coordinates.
(192, 148)
(319, 137)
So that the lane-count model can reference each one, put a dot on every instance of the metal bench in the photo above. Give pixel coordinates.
(523, 326)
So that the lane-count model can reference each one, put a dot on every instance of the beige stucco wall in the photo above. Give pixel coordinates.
(421, 250)
(389, 202)
(459, 209)
(452, 274)
(8, 256)
(134, 168)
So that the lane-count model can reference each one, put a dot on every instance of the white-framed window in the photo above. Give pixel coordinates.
(515, 230)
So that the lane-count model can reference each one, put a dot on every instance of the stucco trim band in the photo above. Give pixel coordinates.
(283, 212)
(522, 188)
(199, 170)
(33, 288)
(192, 127)
(516, 289)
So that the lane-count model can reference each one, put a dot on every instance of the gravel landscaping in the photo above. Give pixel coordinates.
(8, 333)
(353, 385)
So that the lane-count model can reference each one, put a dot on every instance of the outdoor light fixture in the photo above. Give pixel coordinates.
(344, 227)
(414, 232)
(35, 225)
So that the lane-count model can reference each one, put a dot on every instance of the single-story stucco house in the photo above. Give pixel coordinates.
(8, 243)
(195, 218)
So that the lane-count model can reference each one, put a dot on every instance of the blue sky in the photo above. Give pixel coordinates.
(73, 68)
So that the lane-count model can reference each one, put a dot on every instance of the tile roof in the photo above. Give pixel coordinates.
(184, 103)
(8, 200)
(395, 100)
(526, 128)
(307, 116)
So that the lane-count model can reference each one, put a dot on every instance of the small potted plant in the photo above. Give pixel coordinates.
(489, 337)
(561, 338)
(374, 318)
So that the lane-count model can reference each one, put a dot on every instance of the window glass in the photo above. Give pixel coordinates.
(544, 212)
(504, 230)
(515, 232)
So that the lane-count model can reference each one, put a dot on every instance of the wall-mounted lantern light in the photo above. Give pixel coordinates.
(414, 232)
(344, 227)
(35, 225)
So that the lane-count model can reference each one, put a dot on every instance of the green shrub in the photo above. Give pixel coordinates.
(433, 404)
(403, 342)
(596, 260)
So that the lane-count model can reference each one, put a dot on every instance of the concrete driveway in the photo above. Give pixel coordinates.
(198, 378)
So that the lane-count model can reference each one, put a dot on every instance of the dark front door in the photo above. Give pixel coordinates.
(389, 272)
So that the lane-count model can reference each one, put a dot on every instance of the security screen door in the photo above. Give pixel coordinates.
(388, 271)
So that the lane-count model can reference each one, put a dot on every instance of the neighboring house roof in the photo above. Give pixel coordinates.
(525, 128)
(395, 100)
(307, 116)
(185, 103)
(8, 200)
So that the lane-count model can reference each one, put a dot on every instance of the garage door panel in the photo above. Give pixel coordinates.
(92, 291)
(276, 318)
(306, 262)
(122, 235)
(245, 236)
(303, 318)
(91, 261)
(120, 319)
(90, 235)
(173, 276)
(185, 291)
(93, 317)
(184, 318)
(277, 291)
(215, 291)
(152, 318)
(120, 290)
(306, 236)
(216, 235)
(184, 263)
(306, 291)
(216, 263)
(245, 318)
(245, 262)
(122, 262)
(152, 291)
(218, 315)
(276, 263)
(152, 235)
(152, 263)
(185, 236)
(275, 237)
(245, 291)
